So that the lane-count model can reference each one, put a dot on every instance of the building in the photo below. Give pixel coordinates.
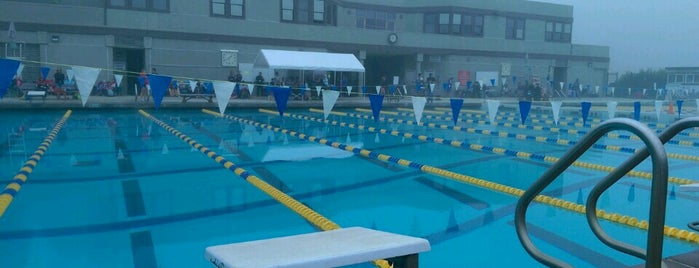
(503, 40)
(683, 81)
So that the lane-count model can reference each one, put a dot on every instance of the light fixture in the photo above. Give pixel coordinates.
(55, 38)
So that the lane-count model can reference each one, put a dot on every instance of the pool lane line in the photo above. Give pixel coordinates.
(556, 202)
(12, 188)
(302, 210)
(473, 146)
(558, 141)
(546, 128)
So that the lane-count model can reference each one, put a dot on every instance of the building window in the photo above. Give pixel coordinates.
(308, 11)
(558, 31)
(376, 20)
(147, 5)
(515, 29)
(453, 23)
(228, 8)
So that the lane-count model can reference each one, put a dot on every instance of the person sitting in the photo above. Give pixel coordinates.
(244, 92)
(172, 89)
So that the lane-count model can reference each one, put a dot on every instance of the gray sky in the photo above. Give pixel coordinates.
(640, 33)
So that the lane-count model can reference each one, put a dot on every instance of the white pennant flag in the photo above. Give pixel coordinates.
(432, 88)
(611, 109)
(644, 92)
(405, 90)
(318, 90)
(503, 80)
(556, 109)
(378, 89)
(71, 74)
(562, 83)
(192, 85)
(223, 90)
(349, 90)
(418, 107)
(629, 91)
(492, 110)
(85, 78)
(117, 78)
(329, 99)
(20, 69)
(658, 108)
(596, 89)
(251, 88)
(456, 85)
(580, 86)
(612, 90)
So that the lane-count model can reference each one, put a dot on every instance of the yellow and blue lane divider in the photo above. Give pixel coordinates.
(299, 208)
(479, 147)
(512, 117)
(557, 141)
(612, 135)
(672, 232)
(12, 188)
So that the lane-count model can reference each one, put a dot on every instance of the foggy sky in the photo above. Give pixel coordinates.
(640, 33)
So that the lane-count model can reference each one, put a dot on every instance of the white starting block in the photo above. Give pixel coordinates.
(36, 94)
(321, 249)
(694, 187)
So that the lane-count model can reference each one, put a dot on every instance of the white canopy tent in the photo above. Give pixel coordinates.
(307, 61)
(304, 60)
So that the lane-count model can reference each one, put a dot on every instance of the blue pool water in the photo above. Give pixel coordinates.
(116, 190)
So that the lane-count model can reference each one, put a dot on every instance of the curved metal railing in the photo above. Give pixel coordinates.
(653, 148)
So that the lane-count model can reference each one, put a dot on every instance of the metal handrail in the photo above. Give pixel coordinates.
(653, 256)
(654, 147)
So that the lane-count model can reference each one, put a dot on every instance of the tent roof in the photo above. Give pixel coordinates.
(304, 60)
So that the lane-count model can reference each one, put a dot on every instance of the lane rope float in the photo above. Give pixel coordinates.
(12, 188)
(484, 148)
(672, 232)
(302, 210)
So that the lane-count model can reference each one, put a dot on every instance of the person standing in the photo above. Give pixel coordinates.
(145, 85)
(59, 77)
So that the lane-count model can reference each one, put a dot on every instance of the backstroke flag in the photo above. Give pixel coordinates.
(349, 90)
(318, 90)
(20, 69)
(45, 72)
(378, 89)
(281, 97)
(8, 69)
(636, 110)
(329, 99)
(418, 107)
(251, 88)
(376, 102)
(658, 108)
(456, 105)
(117, 79)
(192, 85)
(492, 110)
(223, 91)
(158, 87)
(556, 110)
(70, 74)
(585, 105)
(524, 107)
(85, 78)
(679, 108)
(611, 109)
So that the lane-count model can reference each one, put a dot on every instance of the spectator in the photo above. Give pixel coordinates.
(59, 77)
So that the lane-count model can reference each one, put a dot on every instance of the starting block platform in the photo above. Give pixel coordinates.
(333, 248)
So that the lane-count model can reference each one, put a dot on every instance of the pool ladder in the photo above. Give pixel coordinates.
(653, 148)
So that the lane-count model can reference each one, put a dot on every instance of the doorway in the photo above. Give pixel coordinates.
(128, 62)
(388, 66)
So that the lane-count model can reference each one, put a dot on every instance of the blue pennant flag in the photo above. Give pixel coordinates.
(158, 87)
(8, 69)
(514, 80)
(376, 103)
(281, 96)
(45, 72)
(456, 109)
(524, 108)
(364, 89)
(585, 110)
(469, 84)
(637, 110)
(142, 81)
(492, 82)
(679, 108)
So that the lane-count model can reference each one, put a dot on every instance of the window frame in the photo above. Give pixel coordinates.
(469, 24)
(558, 31)
(309, 12)
(227, 9)
(149, 6)
(512, 25)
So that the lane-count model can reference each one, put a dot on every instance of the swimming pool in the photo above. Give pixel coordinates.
(116, 190)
